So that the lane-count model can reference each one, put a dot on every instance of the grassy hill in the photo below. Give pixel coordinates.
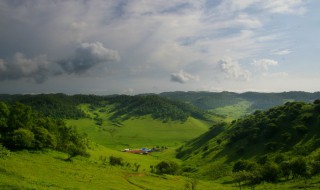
(49, 170)
(280, 135)
(223, 102)
(208, 150)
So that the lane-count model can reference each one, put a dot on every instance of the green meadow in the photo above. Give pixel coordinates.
(203, 150)
(49, 170)
(141, 132)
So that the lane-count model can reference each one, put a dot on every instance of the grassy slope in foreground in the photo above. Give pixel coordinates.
(141, 132)
(49, 170)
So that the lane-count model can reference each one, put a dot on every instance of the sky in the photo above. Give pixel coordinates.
(150, 46)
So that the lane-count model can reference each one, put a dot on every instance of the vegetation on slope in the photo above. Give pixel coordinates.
(158, 107)
(62, 106)
(23, 128)
(278, 144)
(258, 101)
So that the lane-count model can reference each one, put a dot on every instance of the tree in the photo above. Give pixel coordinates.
(244, 165)
(71, 142)
(43, 138)
(22, 138)
(4, 114)
(167, 168)
(20, 117)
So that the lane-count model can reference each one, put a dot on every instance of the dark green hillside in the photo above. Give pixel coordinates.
(276, 136)
(205, 100)
(124, 107)
(256, 100)
(54, 105)
(158, 107)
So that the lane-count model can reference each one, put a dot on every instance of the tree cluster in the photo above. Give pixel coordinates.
(23, 128)
(158, 107)
(272, 170)
(281, 127)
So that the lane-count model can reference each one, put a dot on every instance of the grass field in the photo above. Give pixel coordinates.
(49, 170)
(140, 132)
(233, 111)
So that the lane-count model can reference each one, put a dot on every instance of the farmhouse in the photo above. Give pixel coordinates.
(138, 151)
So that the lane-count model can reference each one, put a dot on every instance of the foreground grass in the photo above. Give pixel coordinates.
(49, 170)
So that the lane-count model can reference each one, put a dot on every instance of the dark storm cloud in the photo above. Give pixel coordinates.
(39, 68)
(87, 56)
(20, 66)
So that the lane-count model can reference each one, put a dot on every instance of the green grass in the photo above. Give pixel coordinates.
(234, 111)
(140, 132)
(49, 170)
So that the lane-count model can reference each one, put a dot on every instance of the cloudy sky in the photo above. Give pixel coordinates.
(144, 46)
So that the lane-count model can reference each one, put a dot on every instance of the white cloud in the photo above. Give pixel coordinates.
(284, 6)
(182, 77)
(281, 52)
(273, 6)
(233, 69)
(154, 38)
(264, 64)
(276, 75)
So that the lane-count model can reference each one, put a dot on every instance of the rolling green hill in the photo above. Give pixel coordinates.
(218, 101)
(261, 148)
(280, 135)
(123, 107)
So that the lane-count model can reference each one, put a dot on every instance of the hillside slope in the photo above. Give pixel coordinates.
(279, 134)
(124, 107)
(258, 101)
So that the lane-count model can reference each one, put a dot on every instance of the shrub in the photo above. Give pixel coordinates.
(286, 136)
(270, 172)
(301, 129)
(244, 165)
(272, 146)
(115, 161)
(167, 168)
(298, 167)
(315, 167)
(4, 152)
(285, 168)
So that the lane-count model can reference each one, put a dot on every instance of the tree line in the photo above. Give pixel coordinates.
(23, 128)
(61, 106)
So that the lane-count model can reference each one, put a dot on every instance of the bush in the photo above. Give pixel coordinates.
(244, 165)
(315, 167)
(298, 167)
(4, 152)
(270, 172)
(167, 168)
(285, 168)
(115, 161)
(301, 129)
(271, 146)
